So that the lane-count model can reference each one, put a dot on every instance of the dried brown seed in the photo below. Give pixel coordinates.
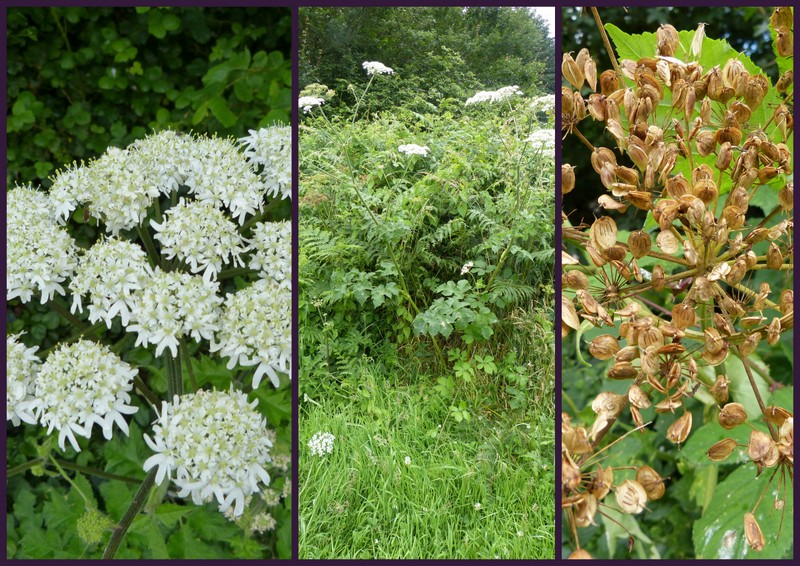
(638, 397)
(776, 415)
(755, 538)
(568, 314)
(622, 370)
(732, 415)
(774, 331)
(574, 279)
(784, 43)
(668, 40)
(597, 107)
(730, 135)
(579, 554)
(667, 242)
(722, 449)
(631, 497)
(604, 347)
(683, 315)
(567, 178)
(724, 156)
(680, 429)
(774, 256)
(651, 482)
(750, 344)
(787, 302)
(720, 389)
(608, 82)
(786, 196)
(785, 81)
(571, 71)
(584, 510)
(677, 186)
(781, 17)
(762, 450)
(602, 156)
(705, 190)
(657, 278)
(639, 243)
(705, 142)
(603, 233)
(755, 90)
(602, 481)
(627, 354)
(741, 111)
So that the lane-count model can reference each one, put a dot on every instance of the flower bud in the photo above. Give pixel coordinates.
(732, 415)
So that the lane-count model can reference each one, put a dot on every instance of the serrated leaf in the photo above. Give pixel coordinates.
(170, 513)
(221, 111)
(719, 533)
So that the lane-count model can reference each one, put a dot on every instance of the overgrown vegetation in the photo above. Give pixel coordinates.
(426, 338)
(679, 287)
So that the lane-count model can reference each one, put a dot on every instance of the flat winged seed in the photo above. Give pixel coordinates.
(604, 347)
(651, 482)
(752, 531)
(568, 314)
(722, 449)
(680, 429)
(631, 497)
(732, 415)
(580, 554)
(638, 397)
(603, 232)
(667, 242)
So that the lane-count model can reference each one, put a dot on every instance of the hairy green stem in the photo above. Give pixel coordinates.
(24, 467)
(185, 354)
(95, 472)
(136, 505)
(152, 253)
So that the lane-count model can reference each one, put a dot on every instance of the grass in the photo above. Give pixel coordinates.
(481, 488)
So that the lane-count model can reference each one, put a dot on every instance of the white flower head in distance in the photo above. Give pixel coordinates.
(80, 385)
(307, 103)
(256, 329)
(414, 149)
(109, 273)
(545, 103)
(494, 95)
(201, 235)
(41, 254)
(172, 305)
(376, 68)
(22, 365)
(272, 252)
(545, 139)
(321, 443)
(212, 444)
(271, 148)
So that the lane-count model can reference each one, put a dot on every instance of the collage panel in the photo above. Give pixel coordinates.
(148, 283)
(426, 240)
(677, 283)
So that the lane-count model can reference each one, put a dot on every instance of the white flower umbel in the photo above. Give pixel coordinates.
(414, 149)
(41, 255)
(494, 95)
(307, 103)
(321, 443)
(71, 186)
(200, 234)
(220, 173)
(22, 365)
(545, 139)
(546, 103)
(80, 385)
(212, 444)
(120, 191)
(271, 148)
(256, 328)
(167, 158)
(272, 252)
(376, 68)
(109, 273)
(173, 305)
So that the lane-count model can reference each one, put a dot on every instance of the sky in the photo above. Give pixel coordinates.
(549, 15)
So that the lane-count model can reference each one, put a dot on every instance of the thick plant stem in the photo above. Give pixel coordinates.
(606, 42)
(136, 505)
(174, 374)
(95, 472)
(772, 432)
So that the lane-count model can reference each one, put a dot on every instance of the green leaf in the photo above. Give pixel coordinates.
(740, 388)
(200, 113)
(719, 533)
(221, 111)
(169, 514)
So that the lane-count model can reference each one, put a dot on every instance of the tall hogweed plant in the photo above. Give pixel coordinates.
(680, 288)
(193, 265)
(422, 231)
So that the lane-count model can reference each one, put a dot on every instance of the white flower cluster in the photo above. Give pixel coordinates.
(272, 252)
(494, 95)
(80, 385)
(121, 184)
(200, 234)
(109, 272)
(41, 255)
(173, 305)
(256, 328)
(545, 103)
(546, 139)
(271, 148)
(414, 149)
(22, 365)
(467, 267)
(321, 443)
(212, 444)
(306, 103)
(374, 67)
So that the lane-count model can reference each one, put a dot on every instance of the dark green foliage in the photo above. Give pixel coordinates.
(82, 79)
(444, 54)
